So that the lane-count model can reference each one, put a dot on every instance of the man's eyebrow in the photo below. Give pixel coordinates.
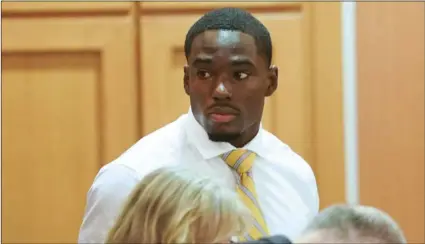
(202, 60)
(242, 61)
(234, 61)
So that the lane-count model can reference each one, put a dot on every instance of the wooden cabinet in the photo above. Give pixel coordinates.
(83, 81)
(69, 105)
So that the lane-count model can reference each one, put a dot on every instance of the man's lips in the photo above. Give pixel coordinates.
(222, 118)
(222, 114)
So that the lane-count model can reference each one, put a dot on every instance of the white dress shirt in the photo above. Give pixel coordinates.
(285, 183)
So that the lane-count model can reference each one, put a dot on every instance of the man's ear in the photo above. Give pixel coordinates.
(186, 79)
(273, 75)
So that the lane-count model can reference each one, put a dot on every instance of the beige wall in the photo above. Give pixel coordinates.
(390, 39)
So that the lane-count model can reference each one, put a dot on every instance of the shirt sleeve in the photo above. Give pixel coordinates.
(314, 195)
(105, 198)
(310, 194)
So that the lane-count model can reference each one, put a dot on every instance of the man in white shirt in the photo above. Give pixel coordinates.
(227, 77)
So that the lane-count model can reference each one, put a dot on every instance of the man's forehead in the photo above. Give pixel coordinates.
(215, 40)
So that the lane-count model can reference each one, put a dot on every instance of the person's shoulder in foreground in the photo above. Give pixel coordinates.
(275, 239)
(115, 181)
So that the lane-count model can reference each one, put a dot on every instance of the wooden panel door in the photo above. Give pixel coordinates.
(68, 107)
(291, 112)
(391, 111)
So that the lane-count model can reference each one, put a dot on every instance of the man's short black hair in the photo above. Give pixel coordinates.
(233, 19)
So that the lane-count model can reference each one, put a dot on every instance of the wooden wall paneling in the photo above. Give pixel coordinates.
(14, 8)
(112, 39)
(390, 39)
(201, 7)
(69, 105)
(327, 99)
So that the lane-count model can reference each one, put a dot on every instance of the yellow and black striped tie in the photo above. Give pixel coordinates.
(241, 160)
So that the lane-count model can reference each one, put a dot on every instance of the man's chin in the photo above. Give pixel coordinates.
(223, 137)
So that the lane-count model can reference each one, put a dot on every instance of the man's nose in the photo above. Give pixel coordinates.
(222, 91)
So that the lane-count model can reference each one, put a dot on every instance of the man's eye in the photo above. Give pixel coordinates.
(241, 75)
(203, 74)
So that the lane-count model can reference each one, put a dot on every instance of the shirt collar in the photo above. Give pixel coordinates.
(198, 138)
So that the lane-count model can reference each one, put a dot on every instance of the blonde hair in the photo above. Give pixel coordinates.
(175, 205)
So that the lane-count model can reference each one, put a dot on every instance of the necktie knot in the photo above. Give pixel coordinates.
(241, 160)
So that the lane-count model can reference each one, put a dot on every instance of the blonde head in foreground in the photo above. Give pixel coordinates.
(175, 205)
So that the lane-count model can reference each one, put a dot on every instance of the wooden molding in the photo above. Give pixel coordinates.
(197, 7)
(49, 9)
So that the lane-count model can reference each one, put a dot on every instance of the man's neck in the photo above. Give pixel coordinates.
(245, 137)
